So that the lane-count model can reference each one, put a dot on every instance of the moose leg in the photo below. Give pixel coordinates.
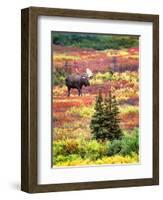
(79, 91)
(68, 94)
(80, 88)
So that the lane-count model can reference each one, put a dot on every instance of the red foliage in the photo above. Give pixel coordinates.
(129, 121)
(97, 60)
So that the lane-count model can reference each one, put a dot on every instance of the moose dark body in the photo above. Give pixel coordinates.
(77, 81)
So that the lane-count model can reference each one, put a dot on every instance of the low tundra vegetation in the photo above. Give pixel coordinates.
(73, 152)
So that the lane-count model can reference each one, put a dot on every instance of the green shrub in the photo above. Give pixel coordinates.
(59, 148)
(114, 147)
(73, 157)
(82, 143)
(130, 143)
(92, 149)
(126, 146)
(61, 158)
(95, 150)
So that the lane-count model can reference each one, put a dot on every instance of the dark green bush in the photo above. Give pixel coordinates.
(126, 146)
(130, 143)
(114, 147)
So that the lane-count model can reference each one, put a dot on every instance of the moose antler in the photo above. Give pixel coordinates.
(89, 73)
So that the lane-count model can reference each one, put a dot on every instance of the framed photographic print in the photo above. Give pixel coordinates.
(90, 99)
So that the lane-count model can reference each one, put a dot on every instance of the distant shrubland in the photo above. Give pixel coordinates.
(94, 41)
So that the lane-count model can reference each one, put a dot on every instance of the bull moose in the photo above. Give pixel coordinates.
(77, 81)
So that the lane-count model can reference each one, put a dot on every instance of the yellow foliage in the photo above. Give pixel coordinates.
(125, 93)
(128, 109)
(132, 77)
(61, 57)
(114, 53)
(82, 111)
(117, 159)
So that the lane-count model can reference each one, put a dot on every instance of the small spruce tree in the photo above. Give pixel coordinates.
(105, 121)
(107, 113)
(114, 130)
(97, 118)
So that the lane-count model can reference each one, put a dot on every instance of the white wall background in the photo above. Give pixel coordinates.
(10, 98)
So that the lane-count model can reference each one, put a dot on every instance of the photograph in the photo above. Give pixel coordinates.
(95, 99)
